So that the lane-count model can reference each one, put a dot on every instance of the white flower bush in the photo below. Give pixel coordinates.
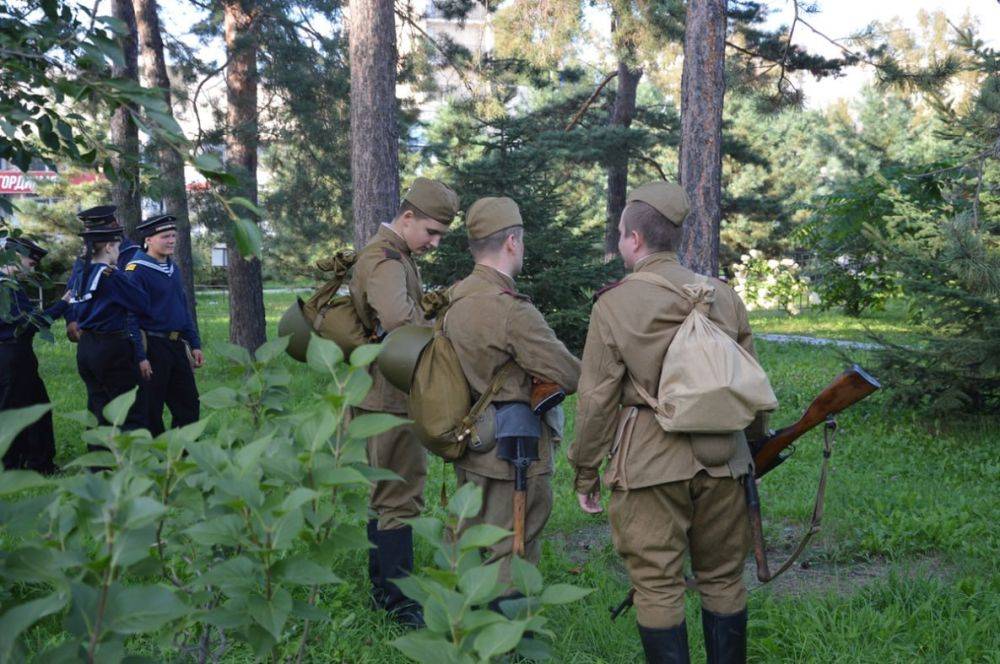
(773, 283)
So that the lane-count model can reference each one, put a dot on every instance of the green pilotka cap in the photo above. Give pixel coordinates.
(667, 198)
(489, 215)
(435, 199)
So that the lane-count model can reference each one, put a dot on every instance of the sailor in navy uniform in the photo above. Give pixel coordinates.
(106, 357)
(20, 385)
(102, 216)
(172, 347)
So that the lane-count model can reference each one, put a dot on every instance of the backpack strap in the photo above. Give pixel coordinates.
(693, 293)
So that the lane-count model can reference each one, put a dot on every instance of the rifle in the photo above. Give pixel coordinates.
(846, 390)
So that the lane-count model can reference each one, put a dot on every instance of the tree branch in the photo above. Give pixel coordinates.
(586, 105)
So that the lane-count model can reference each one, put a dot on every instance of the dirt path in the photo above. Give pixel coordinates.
(808, 575)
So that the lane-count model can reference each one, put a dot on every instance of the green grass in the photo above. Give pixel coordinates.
(891, 324)
(910, 500)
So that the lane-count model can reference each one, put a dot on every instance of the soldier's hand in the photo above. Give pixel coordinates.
(199, 357)
(145, 370)
(590, 502)
(73, 331)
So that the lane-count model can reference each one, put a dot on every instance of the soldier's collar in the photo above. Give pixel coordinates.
(386, 232)
(494, 276)
(658, 257)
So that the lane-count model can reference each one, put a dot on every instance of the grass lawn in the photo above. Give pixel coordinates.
(905, 568)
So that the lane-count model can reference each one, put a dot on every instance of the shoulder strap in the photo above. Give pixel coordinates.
(486, 398)
(656, 279)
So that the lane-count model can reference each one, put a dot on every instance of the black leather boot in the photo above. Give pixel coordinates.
(395, 560)
(374, 571)
(725, 637)
(665, 645)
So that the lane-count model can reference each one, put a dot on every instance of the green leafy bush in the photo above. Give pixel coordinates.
(455, 595)
(222, 531)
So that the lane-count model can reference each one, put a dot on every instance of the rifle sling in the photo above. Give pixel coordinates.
(829, 434)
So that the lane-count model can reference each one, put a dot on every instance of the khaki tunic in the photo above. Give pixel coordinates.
(490, 325)
(631, 326)
(386, 289)
(664, 501)
(385, 286)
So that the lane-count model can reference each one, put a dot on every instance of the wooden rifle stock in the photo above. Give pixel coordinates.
(846, 390)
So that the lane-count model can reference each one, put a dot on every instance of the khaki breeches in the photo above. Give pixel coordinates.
(653, 527)
(498, 510)
(400, 451)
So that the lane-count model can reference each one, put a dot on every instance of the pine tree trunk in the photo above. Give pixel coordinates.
(154, 73)
(246, 293)
(124, 134)
(703, 87)
(621, 116)
(374, 132)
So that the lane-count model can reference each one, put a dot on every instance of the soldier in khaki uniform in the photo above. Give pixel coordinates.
(671, 493)
(386, 289)
(490, 324)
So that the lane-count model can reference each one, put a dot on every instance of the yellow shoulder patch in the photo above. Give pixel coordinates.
(130, 267)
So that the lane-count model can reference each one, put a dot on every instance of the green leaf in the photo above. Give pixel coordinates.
(271, 614)
(365, 355)
(15, 420)
(525, 576)
(208, 161)
(21, 617)
(356, 388)
(302, 571)
(248, 456)
(287, 529)
(467, 501)
(425, 646)
(482, 536)
(305, 611)
(117, 410)
(34, 565)
(93, 459)
(220, 398)
(563, 593)
(83, 417)
(235, 354)
(142, 609)
(234, 574)
(372, 424)
(247, 204)
(248, 238)
(412, 588)
(498, 638)
(324, 355)
(142, 511)
(378, 474)
(271, 349)
(222, 530)
(339, 476)
(476, 619)
(480, 583)
(297, 498)
(428, 528)
(14, 481)
(534, 650)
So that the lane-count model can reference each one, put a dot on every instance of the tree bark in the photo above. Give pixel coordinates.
(154, 73)
(246, 292)
(621, 116)
(703, 88)
(124, 134)
(374, 132)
